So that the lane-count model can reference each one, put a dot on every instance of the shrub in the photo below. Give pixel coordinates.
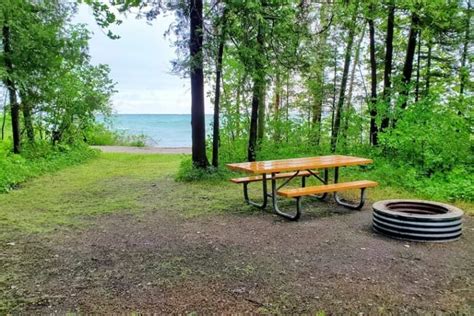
(188, 172)
(100, 135)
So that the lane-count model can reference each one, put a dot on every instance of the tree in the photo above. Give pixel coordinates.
(409, 57)
(198, 123)
(10, 84)
(342, 91)
(258, 86)
(387, 74)
(217, 94)
(373, 82)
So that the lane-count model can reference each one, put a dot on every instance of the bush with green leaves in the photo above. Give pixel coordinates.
(98, 134)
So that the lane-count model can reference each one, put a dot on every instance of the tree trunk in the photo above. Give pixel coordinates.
(373, 85)
(197, 86)
(277, 99)
(410, 55)
(418, 59)
(287, 107)
(217, 95)
(345, 73)
(241, 81)
(351, 84)
(334, 89)
(14, 106)
(251, 151)
(27, 117)
(261, 115)
(318, 93)
(387, 75)
(464, 72)
(4, 120)
(256, 100)
(428, 68)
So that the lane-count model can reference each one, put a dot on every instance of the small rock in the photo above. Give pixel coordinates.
(238, 290)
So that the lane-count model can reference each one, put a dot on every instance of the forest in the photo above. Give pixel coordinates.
(391, 80)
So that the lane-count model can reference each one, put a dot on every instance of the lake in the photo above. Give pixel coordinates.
(162, 130)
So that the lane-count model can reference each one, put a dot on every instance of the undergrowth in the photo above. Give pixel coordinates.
(449, 185)
(100, 135)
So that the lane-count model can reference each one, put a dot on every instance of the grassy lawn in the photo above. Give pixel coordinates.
(118, 183)
(132, 196)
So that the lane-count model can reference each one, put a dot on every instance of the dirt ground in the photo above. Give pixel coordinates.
(330, 261)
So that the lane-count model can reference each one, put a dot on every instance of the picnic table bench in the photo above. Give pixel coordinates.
(289, 169)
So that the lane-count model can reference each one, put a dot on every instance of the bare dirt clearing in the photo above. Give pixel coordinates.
(184, 248)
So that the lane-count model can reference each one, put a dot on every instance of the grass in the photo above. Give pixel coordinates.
(37, 160)
(110, 183)
(117, 183)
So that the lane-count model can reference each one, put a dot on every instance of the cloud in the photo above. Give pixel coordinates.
(140, 64)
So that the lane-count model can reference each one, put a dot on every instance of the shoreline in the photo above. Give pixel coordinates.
(143, 150)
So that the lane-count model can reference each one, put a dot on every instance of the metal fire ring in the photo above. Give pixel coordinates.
(417, 220)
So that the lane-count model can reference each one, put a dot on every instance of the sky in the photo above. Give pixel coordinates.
(140, 64)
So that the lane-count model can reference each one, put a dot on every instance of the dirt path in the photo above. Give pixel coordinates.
(144, 150)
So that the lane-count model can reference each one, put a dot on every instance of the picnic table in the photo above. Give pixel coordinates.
(289, 169)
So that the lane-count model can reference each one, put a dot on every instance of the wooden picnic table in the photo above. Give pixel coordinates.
(288, 169)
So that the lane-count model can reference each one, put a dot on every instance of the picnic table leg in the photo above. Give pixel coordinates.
(325, 181)
(356, 206)
(265, 194)
(277, 210)
(339, 201)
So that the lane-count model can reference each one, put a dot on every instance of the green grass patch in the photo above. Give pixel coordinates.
(37, 160)
(108, 184)
(129, 183)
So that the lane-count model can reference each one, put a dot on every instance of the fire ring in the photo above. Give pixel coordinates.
(417, 220)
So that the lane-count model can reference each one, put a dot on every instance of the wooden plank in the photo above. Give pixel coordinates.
(277, 176)
(334, 187)
(321, 162)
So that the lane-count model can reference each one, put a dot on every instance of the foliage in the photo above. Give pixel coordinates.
(453, 181)
(187, 172)
(431, 137)
(47, 70)
(98, 134)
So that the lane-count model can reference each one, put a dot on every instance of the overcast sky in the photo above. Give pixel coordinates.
(140, 64)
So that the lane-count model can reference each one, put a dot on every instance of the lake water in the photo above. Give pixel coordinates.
(162, 130)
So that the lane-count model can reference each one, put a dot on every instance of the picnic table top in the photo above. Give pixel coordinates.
(294, 164)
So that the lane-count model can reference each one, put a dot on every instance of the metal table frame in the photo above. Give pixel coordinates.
(274, 192)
